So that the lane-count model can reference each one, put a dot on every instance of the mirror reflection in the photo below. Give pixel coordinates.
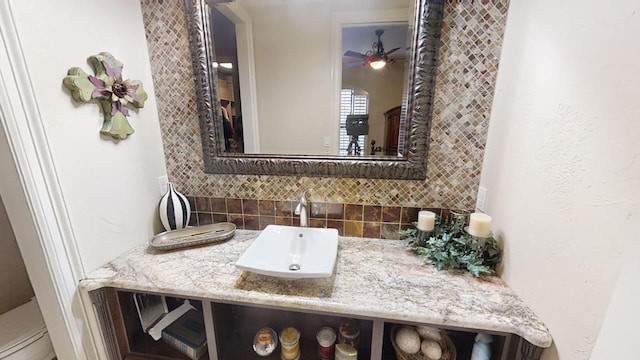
(313, 77)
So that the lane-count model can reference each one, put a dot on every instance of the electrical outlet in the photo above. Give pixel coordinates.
(163, 183)
(481, 201)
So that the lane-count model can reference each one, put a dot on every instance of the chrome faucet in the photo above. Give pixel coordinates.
(301, 209)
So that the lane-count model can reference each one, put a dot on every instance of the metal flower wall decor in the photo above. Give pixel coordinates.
(108, 88)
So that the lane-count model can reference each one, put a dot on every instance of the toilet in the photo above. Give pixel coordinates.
(23, 335)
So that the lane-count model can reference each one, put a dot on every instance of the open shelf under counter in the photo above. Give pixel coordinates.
(502, 345)
(377, 281)
(236, 326)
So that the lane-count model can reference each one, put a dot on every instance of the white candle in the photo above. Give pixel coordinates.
(480, 225)
(426, 220)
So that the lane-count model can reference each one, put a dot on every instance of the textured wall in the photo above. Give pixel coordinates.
(562, 167)
(15, 288)
(109, 187)
(470, 50)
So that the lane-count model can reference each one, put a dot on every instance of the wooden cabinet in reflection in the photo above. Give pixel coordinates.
(391, 130)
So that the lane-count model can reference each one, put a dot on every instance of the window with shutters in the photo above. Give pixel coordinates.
(352, 102)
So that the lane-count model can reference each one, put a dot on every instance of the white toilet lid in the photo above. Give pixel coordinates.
(20, 327)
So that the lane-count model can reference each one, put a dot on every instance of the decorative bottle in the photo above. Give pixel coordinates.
(174, 210)
(482, 347)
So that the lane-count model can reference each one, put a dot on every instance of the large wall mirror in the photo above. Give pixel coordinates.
(339, 88)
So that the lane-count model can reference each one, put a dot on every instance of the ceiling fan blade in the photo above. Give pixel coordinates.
(356, 54)
(354, 64)
(390, 51)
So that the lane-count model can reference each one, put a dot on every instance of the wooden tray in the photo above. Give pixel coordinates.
(193, 235)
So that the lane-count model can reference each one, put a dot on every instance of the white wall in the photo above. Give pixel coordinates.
(293, 70)
(385, 89)
(293, 65)
(619, 332)
(562, 162)
(110, 188)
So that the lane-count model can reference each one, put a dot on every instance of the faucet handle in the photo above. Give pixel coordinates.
(305, 194)
(302, 202)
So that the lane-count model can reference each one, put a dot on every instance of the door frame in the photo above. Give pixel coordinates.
(353, 19)
(35, 204)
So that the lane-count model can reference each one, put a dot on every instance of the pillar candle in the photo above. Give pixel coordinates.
(480, 225)
(426, 220)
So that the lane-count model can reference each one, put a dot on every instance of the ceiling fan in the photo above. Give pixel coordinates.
(376, 58)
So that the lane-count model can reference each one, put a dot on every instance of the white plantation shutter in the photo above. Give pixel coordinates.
(351, 104)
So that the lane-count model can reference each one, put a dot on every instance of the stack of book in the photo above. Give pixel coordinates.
(187, 335)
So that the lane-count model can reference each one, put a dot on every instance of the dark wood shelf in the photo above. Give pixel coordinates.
(462, 340)
(134, 343)
(240, 347)
(235, 325)
(144, 345)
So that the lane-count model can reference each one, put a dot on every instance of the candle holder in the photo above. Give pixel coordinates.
(423, 236)
(479, 240)
(415, 237)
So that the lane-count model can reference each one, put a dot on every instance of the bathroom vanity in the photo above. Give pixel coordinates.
(377, 282)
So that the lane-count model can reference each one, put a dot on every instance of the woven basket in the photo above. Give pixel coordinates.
(448, 349)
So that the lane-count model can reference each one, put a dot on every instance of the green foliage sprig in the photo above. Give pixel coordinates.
(451, 247)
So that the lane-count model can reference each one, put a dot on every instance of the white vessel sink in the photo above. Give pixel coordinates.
(292, 252)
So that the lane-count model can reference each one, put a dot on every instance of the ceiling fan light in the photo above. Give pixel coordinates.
(378, 64)
(226, 65)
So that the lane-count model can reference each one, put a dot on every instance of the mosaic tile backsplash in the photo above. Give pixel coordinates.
(470, 48)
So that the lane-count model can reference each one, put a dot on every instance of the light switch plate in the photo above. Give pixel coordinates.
(481, 201)
(163, 184)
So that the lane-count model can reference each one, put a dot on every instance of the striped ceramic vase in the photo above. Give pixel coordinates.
(174, 210)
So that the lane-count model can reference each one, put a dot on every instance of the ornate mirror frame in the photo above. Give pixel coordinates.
(412, 166)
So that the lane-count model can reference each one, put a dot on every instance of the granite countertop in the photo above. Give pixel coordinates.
(373, 278)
